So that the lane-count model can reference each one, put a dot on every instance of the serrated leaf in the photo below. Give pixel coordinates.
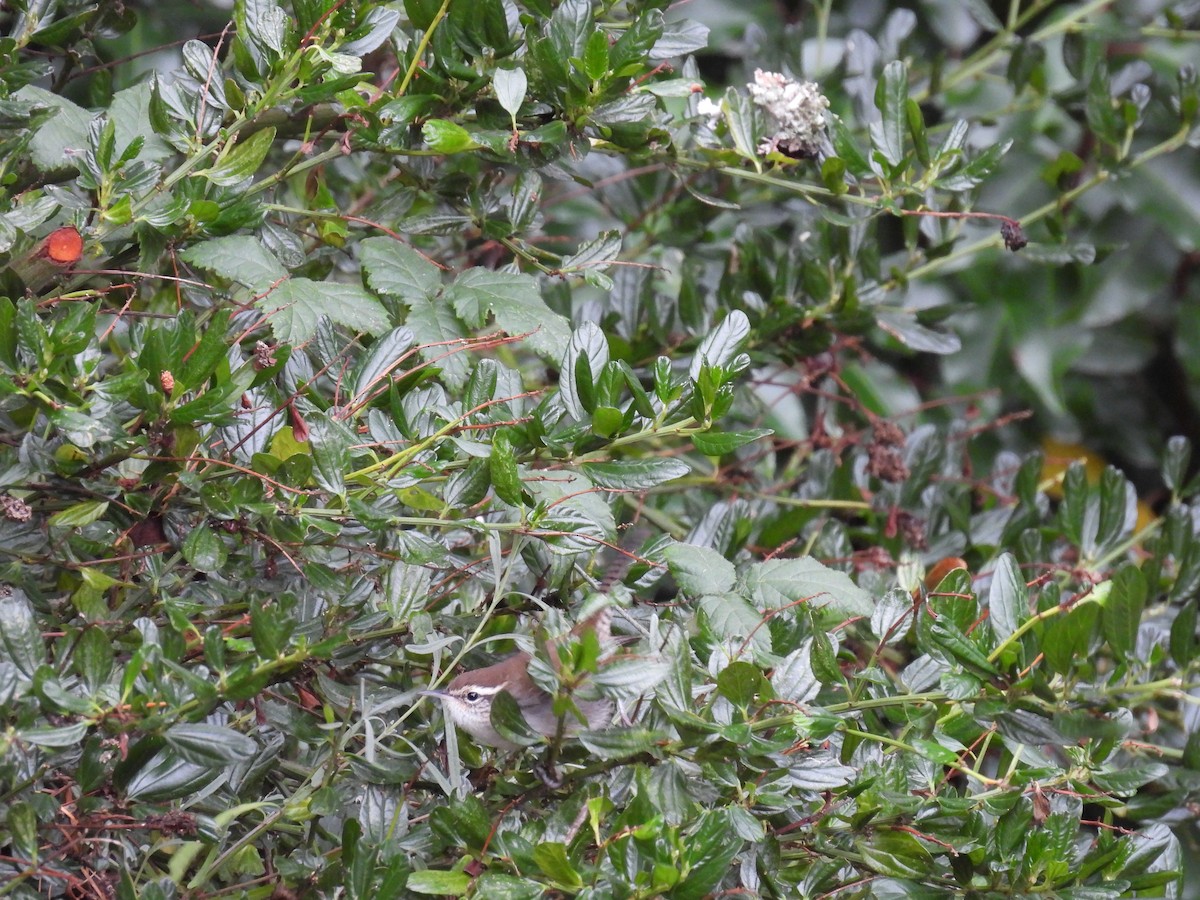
(630, 677)
(699, 570)
(406, 590)
(1121, 612)
(820, 771)
(904, 327)
(732, 618)
(892, 617)
(721, 344)
(396, 269)
(238, 258)
(168, 777)
(777, 583)
(635, 474)
(297, 305)
(707, 855)
(614, 743)
(551, 858)
(502, 467)
(679, 38)
(515, 303)
(582, 362)
(1183, 634)
(434, 323)
(740, 682)
(598, 253)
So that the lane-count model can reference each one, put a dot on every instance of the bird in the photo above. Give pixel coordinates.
(469, 698)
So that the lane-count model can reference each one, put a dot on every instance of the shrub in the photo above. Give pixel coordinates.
(355, 343)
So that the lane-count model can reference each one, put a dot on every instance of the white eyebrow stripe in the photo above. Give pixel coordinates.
(487, 691)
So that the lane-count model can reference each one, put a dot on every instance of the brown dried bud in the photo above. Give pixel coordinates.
(14, 509)
(263, 356)
(1014, 236)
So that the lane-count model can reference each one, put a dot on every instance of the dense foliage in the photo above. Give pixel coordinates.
(344, 345)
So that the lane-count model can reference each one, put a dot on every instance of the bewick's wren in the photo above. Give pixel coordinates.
(468, 698)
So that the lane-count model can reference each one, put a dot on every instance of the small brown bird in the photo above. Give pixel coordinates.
(468, 698)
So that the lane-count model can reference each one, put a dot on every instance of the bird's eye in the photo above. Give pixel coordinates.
(472, 696)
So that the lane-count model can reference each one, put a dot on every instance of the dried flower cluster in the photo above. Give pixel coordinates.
(797, 109)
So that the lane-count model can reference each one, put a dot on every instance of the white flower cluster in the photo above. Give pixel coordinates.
(797, 109)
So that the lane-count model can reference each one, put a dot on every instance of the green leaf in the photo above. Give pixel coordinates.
(396, 269)
(79, 514)
(777, 583)
(721, 345)
(440, 334)
(961, 647)
(510, 86)
(1067, 638)
(741, 682)
(1125, 780)
(551, 857)
(447, 137)
(707, 855)
(94, 657)
(585, 358)
(732, 618)
(891, 94)
(213, 746)
(1008, 603)
(595, 56)
(502, 466)
(331, 443)
(66, 130)
(1121, 612)
(509, 723)
(242, 259)
(635, 474)
(54, 738)
(1183, 634)
(1175, 463)
(630, 677)
(243, 161)
(699, 570)
(297, 305)
(515, 303)
(386, 354)
(896, 853)
(714, 443)
(20, 637)
(204, 550)
(618, 743)
(438, 882)
(167, 777)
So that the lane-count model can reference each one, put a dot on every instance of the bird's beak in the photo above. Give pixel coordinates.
(438, 694)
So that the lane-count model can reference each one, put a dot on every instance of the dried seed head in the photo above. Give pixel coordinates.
(797, 110)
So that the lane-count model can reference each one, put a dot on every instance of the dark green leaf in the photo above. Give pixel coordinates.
(1121, 612)
(213, 746)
